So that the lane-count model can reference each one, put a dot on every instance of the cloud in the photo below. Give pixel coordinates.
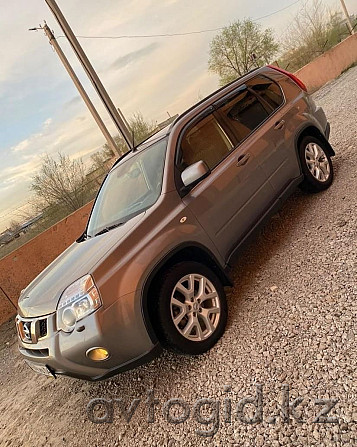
(13, 174)
(21, 146)
(47, 123)
(134, 56)
(24, 145)
(77, 137)
(73, 101)
(78, 134)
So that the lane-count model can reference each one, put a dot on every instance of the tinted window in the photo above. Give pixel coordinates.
(252, 106)
(205, 141)
(268, 90)
(244, 113)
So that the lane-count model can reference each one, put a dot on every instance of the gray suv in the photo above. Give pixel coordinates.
(150, 268)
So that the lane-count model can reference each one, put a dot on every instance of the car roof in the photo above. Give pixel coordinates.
(211, 95)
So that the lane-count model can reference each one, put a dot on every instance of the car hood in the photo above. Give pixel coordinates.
(41, 296)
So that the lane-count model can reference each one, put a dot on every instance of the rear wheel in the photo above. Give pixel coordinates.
(316, 165)
(191, 308)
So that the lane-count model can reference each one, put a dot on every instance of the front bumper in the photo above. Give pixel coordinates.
(119, 328)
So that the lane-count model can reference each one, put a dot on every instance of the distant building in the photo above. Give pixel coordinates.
(165, 123)
(6, 237)
(26, 225)
(9, 235)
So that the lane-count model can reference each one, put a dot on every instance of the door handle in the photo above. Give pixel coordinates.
(243, 159)
(279, 125)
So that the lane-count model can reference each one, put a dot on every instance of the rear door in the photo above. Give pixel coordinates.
(280, 164)
(237, 192)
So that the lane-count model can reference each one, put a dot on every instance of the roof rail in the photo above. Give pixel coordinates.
(212, 94)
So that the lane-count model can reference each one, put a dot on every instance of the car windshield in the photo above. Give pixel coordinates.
(131, 187)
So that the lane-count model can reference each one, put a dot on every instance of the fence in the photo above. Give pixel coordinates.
(51, 214)
(20, 267)
(329, 65)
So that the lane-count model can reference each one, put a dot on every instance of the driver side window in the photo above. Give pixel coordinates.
(205, 141)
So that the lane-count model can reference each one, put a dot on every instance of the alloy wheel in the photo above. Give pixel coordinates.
(195, 307)
(317, 162)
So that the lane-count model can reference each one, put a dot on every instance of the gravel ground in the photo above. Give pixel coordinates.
(292, 321)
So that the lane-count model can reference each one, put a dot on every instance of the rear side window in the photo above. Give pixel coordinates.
(205, 141)
(244, 114)
(252, 106)
(268, 90)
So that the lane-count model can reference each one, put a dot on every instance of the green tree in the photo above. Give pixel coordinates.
(240, 47)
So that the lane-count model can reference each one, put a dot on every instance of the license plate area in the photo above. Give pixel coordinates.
(39, 369)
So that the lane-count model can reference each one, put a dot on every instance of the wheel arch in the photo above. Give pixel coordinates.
(184, 252)
(313, 131)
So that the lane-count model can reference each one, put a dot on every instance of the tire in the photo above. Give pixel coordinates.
(203, 320)
(316, 165)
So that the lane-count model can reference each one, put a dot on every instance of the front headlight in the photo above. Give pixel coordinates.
(79, 300)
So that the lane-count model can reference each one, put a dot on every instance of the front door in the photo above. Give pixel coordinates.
(235, 194)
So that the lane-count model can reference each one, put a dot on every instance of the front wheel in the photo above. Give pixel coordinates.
(316, 165)
(191, 308)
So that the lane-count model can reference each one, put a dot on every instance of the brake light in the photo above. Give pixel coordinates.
(291, 76)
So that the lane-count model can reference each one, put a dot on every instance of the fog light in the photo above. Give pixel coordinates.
(69, 318)
(97, 354)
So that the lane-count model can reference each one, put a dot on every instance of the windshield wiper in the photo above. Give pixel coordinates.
(110, 227)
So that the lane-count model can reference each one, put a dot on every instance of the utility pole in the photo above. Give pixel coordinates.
(349, 23)
(116, 116)
(80, 87)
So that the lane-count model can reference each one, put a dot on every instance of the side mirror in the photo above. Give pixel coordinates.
(192, 174)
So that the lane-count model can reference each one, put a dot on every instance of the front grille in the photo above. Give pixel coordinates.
(31, 330)
(43, 328)
(36, 352)
(24, 331)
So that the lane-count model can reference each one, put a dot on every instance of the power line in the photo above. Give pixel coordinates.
(149, 35)
(276, 12)
(144, 36)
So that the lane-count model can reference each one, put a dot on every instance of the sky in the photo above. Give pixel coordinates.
(40, 109)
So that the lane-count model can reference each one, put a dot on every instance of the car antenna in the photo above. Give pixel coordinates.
(133, 138)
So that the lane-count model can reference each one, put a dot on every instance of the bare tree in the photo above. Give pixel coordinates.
(240, 47)
(14, 226)
(101, 162)
(141, 127)
(313, 31)
(60, 181)
(63, 185)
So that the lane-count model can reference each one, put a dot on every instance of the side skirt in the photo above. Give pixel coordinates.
(274, 208)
